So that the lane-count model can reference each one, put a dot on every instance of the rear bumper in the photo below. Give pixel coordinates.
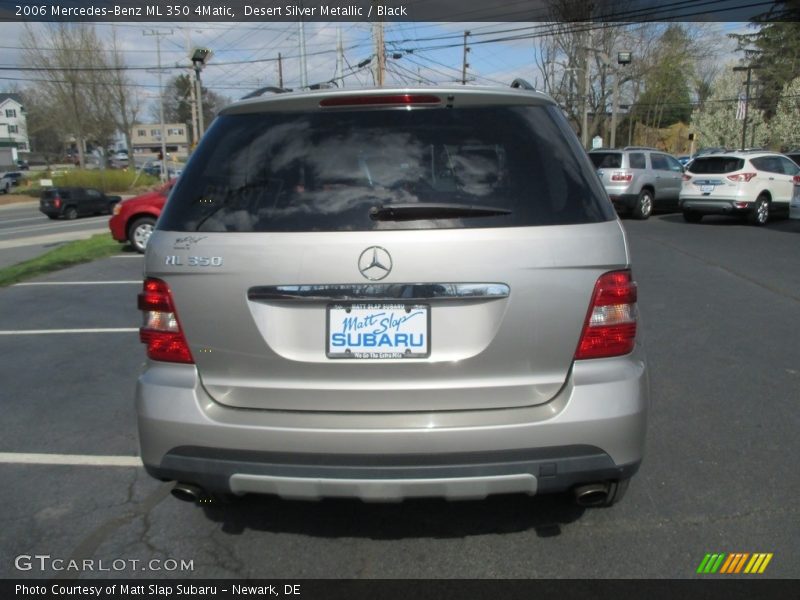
(50, 212)
(708, 206)
(592, 431)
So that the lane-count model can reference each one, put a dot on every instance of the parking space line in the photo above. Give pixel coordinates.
(57, 331)
(121, 282)
(128, 256)
(22, 458)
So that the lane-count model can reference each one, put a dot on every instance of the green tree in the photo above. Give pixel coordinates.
(774, 50)
(666, 99)
(785, 125)
(178, 102)
(715, 124)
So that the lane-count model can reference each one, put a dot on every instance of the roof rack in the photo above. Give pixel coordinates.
(265, 90)
(522, 84)
(641, 148)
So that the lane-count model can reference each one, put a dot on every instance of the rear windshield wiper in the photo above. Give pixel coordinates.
(432, 210)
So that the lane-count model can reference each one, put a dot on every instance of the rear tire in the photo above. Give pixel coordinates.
(692, 217)
(70, 213)
(139, 232)
(644, 205)
(760, 214)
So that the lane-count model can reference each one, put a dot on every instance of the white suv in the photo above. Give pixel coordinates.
(755, 184)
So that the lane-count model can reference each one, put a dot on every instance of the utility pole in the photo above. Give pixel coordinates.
(464, 63)
(379, 72)
(339, 56)
(280, 71)
(587, 82)
(303, 66)
(623, 58)
(587, 79)
(192, 92)
(749, 69)
(163, 161)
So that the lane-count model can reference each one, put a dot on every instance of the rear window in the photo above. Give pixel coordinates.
(327, 171)
(637, 160)
(606, 160)
(49, 194)
(716, 164)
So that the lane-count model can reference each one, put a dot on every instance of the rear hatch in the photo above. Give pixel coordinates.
(609, 169)
(714, 177)
(53, 199)
(357, 257)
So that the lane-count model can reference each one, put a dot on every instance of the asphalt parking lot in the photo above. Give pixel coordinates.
(720, 305)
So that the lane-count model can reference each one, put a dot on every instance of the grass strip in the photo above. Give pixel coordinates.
(71, 253)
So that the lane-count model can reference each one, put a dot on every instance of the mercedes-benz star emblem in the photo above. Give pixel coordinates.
(375, 263)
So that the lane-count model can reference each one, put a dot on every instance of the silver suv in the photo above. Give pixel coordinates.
(391, 293)
(639, 180)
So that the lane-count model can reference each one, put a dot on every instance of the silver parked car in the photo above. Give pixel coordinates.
(639, 180)
(391, 293)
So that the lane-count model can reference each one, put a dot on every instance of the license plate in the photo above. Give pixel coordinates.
(706, 188)
(370, 331)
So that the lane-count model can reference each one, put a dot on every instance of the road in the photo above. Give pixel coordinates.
(26, 233)
(720, 306)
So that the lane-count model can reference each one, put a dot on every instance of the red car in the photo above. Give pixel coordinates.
(134, 218)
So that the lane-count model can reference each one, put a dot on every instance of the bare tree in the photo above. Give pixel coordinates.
(580, 41)
(72, 70)
(125, 101)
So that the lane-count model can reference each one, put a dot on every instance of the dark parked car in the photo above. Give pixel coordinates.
(794, 155)
(74, 202)
(22, 165)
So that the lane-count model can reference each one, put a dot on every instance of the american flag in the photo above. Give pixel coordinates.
(740, 108)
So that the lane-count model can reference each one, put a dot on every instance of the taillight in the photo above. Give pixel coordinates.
(161, 330)
(610, 326)
(742, 177)
(57, 201)
(686, 177)
(392, 100)
(117, 208)
(621, 176)
(796, 179)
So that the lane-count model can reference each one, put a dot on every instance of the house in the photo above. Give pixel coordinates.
(146, 140)
(13, 130)
(12, 121)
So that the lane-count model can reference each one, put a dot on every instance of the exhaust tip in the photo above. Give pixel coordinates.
(593, 494)
(188, 492)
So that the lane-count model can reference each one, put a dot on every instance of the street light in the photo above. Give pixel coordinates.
(199, 58)
(623, 58)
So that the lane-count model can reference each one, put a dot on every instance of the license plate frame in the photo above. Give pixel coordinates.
(371, 318)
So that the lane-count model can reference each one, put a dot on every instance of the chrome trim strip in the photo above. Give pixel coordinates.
(379, 291)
